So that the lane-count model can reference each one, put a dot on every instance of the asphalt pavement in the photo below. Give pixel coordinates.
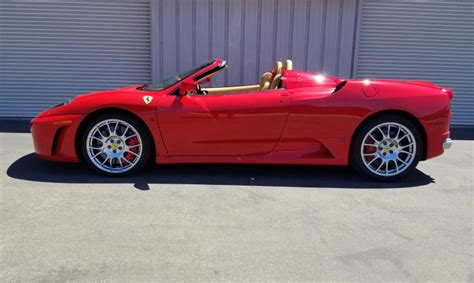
(62, 222)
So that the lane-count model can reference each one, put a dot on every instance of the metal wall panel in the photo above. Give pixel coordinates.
(421, 40)
(252, 34)
(53, 50)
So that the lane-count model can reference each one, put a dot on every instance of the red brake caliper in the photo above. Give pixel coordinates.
(131, 142)
(370, 149)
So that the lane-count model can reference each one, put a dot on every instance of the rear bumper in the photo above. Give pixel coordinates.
(54, 137)
(437, 136)
(447, 143)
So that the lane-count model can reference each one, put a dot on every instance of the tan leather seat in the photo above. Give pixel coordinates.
(231, 89)
(277, 69)
(265, 86)
(275, 82)
(269, 80)
(266, 78)
(288, 65)
(265, 82)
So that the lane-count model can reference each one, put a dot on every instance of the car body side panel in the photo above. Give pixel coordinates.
(319, 119)
(231, 124)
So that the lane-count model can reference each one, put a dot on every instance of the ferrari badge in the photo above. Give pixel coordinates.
(147, 99)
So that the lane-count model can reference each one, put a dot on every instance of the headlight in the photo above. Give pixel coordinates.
(61, 104)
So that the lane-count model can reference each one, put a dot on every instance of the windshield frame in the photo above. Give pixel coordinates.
(171, 81)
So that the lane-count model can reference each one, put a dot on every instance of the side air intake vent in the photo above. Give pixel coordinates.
(339, 86)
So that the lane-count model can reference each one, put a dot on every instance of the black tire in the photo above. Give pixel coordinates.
(356, 157)
(141, 131)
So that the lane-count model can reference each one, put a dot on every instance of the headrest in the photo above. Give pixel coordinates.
(277, 68)
(288, 65)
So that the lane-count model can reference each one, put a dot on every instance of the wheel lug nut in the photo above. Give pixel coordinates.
(120, 148)
(391, 151)
(109, 147)
(115, 151)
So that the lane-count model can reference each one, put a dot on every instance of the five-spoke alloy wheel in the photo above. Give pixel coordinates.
(386, 148)
(115, 144)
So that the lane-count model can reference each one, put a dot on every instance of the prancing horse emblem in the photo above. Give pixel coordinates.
(147, 99)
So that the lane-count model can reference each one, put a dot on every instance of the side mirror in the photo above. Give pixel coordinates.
(187, 86)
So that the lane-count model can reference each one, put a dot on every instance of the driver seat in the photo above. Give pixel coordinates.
(277, 69)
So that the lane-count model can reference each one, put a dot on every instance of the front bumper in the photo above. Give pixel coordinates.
(447, 143)
(54, 137)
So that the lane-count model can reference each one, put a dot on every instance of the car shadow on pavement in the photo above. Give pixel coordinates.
(31, 168)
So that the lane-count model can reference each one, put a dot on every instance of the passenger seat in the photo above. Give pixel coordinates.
(265, 81)
(288, 65)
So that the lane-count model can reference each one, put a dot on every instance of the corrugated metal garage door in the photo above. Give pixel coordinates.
(251, 35)
(422, 40)
(53, 50)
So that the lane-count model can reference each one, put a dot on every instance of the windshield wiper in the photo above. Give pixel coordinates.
(144, 87)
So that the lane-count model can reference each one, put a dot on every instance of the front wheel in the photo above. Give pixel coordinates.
(115, 144)
(386, 148)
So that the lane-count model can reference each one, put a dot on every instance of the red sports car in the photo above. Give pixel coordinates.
(382, 128)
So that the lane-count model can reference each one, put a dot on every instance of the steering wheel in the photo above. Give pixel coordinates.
(199, 90)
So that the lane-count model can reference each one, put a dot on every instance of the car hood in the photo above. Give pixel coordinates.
(120, 91)
(85, 103)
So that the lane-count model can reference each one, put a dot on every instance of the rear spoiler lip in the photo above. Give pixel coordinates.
(426, 83)
(446, 90)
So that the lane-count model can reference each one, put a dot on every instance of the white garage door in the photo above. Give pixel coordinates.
(421, 40)
(53, 50)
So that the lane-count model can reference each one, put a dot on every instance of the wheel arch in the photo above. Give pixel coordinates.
(97, 112)
(401, 113)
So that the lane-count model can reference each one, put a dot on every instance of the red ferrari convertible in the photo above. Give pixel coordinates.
(382, 128)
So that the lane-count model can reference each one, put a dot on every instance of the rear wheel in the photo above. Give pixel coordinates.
(386, 148)
(115, 144)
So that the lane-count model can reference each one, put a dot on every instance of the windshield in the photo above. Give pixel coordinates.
(166, 83)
